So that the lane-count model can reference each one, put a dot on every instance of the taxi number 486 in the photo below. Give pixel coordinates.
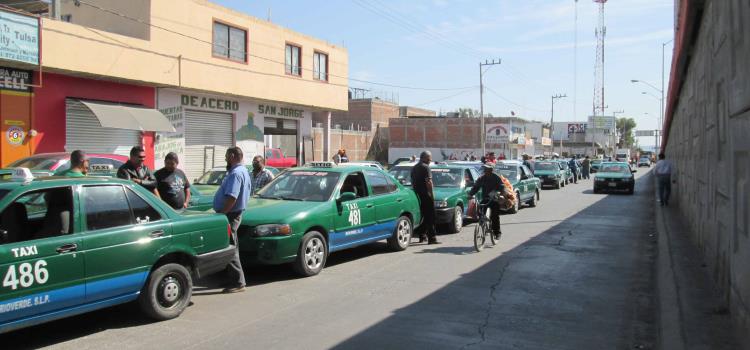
(27, 275)
(354, 216)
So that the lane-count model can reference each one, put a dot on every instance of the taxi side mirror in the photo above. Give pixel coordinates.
(346, 196)
(633, 171)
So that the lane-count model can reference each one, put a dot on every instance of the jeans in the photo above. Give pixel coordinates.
(235, 267)
(575, 176)
(665, 187)
(585, 173)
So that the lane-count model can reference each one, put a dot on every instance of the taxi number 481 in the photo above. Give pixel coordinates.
(27, 275)
(354, 215)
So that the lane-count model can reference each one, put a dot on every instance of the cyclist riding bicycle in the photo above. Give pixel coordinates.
(490, 183)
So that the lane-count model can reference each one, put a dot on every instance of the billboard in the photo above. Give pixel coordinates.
(576, 128)
(19, 38)
(497, 133)
(602, 122)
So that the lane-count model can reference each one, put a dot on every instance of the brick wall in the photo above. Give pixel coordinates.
(365, 114)
(709, 145)
(408, 111)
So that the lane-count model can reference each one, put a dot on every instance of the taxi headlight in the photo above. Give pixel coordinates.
(273, 230)
(441, 204)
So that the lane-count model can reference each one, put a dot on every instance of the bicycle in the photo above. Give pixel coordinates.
(482, 229)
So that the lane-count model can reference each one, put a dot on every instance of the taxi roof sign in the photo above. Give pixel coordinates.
(22, 174)
(322, 164)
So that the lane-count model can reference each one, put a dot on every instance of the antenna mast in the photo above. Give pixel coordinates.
(601, 33)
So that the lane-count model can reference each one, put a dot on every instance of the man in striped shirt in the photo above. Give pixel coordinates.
(260, 175)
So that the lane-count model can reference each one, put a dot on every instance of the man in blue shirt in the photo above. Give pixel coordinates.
(573, 165)
(231, 199)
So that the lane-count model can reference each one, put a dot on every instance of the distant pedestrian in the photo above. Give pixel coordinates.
(663, 171)
(79, 165)
(172, 183)
(341, 157)
(134, 170)
(527, 162)
(586, 167)
(231, 200)
(573, 165)
(260, 175)
(421, 180)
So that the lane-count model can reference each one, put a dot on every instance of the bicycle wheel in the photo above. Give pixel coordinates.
(479, 235)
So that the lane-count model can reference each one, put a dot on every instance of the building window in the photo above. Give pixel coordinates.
(230, 42)
(320, 66)
(293, 65)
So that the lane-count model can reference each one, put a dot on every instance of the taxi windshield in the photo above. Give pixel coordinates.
(35, 163)
(213, 177)
(509, 171)
(301, 185)
(447, 177)
(402, 174)
(546, 166)
(615, 168)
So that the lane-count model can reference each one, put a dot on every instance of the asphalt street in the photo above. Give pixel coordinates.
(576, 272)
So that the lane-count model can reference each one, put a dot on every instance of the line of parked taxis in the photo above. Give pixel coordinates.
(73, 245)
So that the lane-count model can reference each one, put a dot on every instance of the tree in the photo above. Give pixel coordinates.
(625, 127)
(471, 113)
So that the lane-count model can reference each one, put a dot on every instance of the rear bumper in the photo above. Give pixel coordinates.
(206, 264)
(549, 181)
(444, 215)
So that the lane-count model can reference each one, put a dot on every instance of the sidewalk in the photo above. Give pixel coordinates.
(690, 312)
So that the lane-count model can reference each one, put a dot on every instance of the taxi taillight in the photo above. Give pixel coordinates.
(229, 231)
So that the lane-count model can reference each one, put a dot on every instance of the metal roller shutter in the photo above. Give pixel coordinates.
(290, 124)
(83, 131)
(207, 137)
(271, 123)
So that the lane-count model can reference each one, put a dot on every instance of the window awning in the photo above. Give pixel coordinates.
(129, 117)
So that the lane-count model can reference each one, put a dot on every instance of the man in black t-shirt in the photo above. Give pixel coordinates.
(421, 180)
(172, 183)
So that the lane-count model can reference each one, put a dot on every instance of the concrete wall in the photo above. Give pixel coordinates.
(708, 142)
(365, 114)
(167, 59)
(107, 21)
(356, 143)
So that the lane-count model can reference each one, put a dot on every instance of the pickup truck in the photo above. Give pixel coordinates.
(275, 158)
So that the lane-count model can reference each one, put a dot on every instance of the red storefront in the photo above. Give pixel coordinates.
(61, 122)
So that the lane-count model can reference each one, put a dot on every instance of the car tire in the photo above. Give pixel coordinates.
(458, 220)
(401, 234)
(534, 199)
(312, 254)
(167, 292)
(514, 209)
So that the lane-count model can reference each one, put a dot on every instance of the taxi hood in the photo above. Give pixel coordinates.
(441, 193)
(270, 211)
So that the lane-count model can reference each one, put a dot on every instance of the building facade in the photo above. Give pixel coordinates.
(706, 126)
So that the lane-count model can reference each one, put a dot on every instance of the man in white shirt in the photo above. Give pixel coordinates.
(663, 171)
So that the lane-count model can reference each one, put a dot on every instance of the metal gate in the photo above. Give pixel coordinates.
(83, 131)
(207, 137)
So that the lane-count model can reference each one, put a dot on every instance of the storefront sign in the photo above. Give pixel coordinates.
(576, 128)
(280, 111)
(15, 135)
(546, 141)
(521, 140)
(170, 141)
(19, 38)
(209, 103)
(601, 122)
(15, 79)
(496, 134)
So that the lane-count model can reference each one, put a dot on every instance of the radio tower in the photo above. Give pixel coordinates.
(601, 33)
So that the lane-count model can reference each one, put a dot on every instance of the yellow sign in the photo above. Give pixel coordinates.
(15, 122)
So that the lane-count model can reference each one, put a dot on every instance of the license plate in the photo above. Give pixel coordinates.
(612, 184)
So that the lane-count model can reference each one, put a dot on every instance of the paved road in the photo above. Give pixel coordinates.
(574, 273)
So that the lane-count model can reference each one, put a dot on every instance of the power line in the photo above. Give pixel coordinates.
(513, 103)
(263, 58)
(446, 97)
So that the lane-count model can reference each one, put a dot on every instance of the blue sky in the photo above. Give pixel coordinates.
(438, 44)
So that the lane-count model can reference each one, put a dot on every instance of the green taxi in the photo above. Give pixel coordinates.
(451, 186)
(526, 185)
(549, 174)
(595, 164)
(306, 213)
(73, 245)
(567, 173)
(614, 176)
(203, 188)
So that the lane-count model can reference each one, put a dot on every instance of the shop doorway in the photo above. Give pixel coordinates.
(282, 134)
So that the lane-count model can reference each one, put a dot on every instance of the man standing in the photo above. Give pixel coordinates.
(489, 182)
(586, 167)
(663, 171)
(421, 180)
(172, 183)
(341, 157)
(527, 163)
(79, 165)
(573, 165)
(231, 200)
(260, 176)
(134, 170)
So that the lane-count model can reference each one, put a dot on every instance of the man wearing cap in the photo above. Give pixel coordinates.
(79, 165)
(421, 180)
(488, 183)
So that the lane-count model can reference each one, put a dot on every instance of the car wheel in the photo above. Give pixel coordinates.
(312, 254)
(401, 235)
(516, 207)
(167, 292)
(534, 199)
(458, 220)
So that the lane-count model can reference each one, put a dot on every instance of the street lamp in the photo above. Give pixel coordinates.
(661, 99)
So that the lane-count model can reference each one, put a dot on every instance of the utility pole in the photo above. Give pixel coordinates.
(482, 130)
(552, 121)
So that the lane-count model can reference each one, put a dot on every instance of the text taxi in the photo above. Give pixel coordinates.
(72, 245)
(308, 212)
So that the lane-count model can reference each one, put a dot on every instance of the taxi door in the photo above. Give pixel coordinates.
(354, 219)
(123, 237)
(40, 267)
(388, 202)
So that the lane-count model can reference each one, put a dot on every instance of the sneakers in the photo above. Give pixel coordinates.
(231, 290)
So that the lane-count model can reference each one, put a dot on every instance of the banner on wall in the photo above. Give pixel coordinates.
(170, 141)
(497, 133)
